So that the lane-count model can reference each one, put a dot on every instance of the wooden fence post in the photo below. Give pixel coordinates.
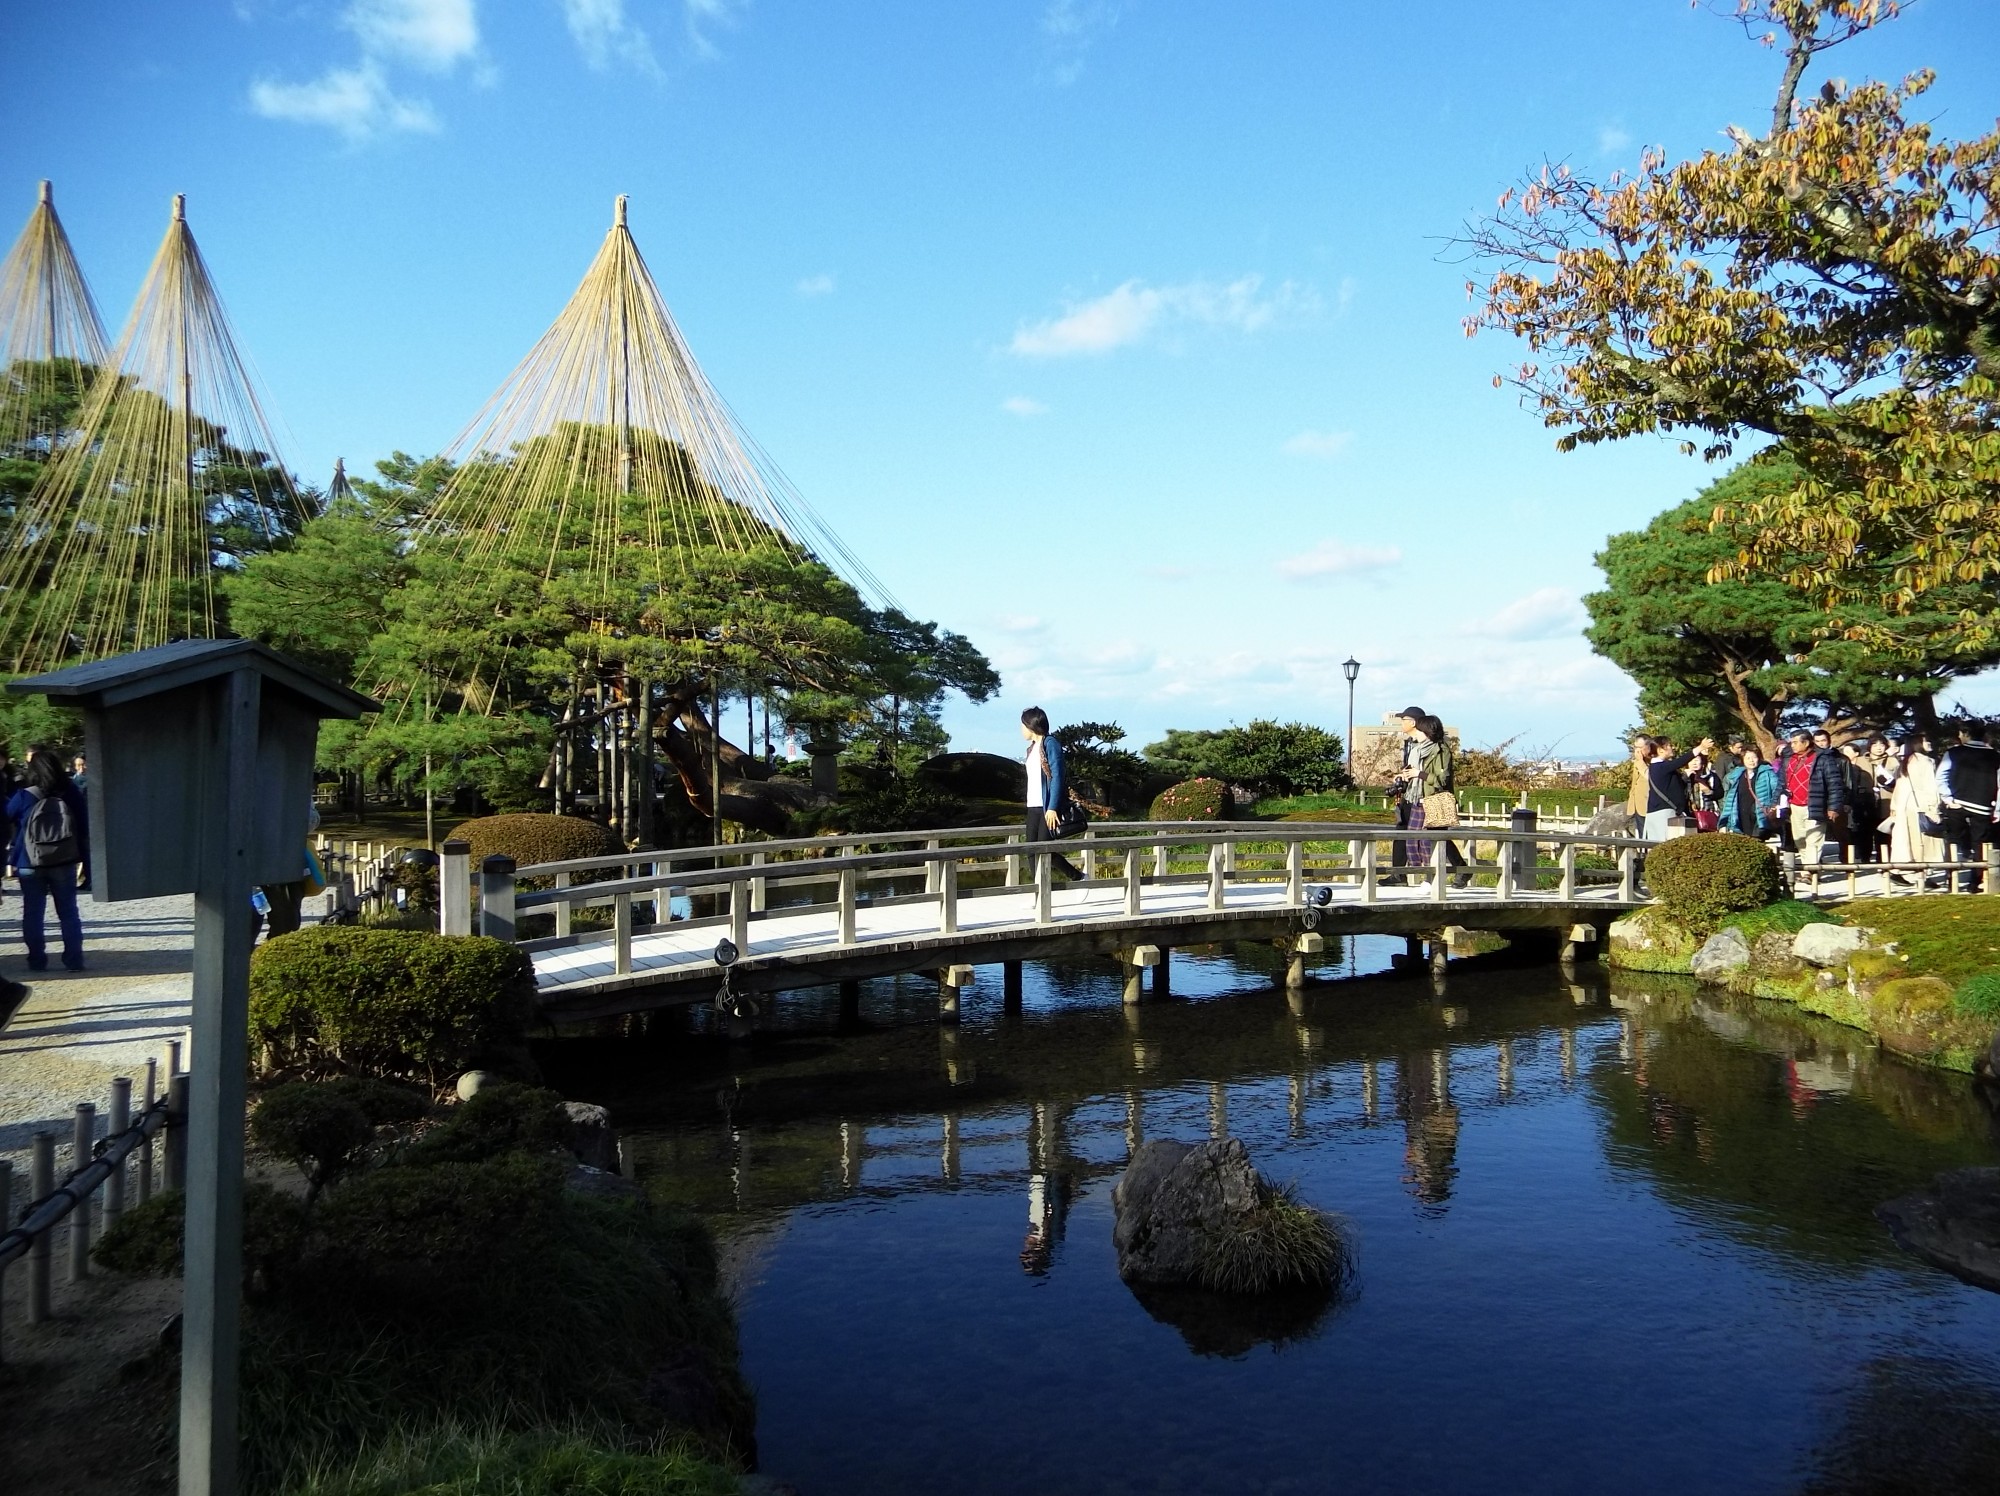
(121, 1118)
(1217, 888)
(1045, 889)
(621, 933)
(80, 1138)
(948, 896)
(1135, 885)
(848, 894)
(173, 1161)
(41, 1184)
(496, 897)
(1295, 873)
(455, 888)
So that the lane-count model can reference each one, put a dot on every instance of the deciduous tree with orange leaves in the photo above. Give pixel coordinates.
(1831, 282)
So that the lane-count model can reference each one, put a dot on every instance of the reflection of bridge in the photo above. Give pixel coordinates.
(945, 901)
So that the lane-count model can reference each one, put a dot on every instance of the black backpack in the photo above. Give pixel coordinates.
(48, 835)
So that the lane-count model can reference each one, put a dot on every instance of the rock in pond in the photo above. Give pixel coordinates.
(591, 1136)
(1772, 955)
(1828, 945)
(1954, 1225)
(1200, 1214)
(1721, 956)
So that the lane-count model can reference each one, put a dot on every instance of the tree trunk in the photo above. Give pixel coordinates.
(641, 795)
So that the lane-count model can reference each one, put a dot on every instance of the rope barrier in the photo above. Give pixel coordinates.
(106, 1155)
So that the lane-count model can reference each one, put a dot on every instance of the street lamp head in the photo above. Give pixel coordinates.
(1350, 667)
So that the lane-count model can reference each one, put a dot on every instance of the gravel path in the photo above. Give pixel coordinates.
(75, 1031)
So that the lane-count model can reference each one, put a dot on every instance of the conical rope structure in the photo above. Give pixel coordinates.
(171, 473)
(51, 338)
(610, 406)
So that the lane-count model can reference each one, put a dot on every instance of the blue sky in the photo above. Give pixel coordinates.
(1120, 337)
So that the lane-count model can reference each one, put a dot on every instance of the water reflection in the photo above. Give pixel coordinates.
(1627, 1186)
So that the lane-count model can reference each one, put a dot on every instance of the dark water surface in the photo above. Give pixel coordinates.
(1614, 1236)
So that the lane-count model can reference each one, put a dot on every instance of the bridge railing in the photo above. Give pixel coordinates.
(1355, 861)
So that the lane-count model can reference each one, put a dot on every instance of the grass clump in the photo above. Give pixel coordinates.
(399, 1004)
(1978, 996)
(146, 1240)
(1282, 1244)
(1787, 917)
(1700, 879)
(452, 1461)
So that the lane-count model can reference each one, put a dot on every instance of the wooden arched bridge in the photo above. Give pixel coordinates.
(808, 913)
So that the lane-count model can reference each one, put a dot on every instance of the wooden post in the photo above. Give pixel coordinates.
(931, 866)
(1045, 889)
(1311, 943)
(1163, 977)
(1010, 985)
(1217, 892)
(41, 1184)
(1160, 860)
(1628, 876)
(1369, 848)
(455, 889)
(760, 892)
(496, 897)
(212, 1283)
(121, 1118)
(1295, 873)
(1992, 883)
(1522, 853)
(82, 1132)
(1503, 889)
(845, 915)
(1440, 884)
(1135, 886)
(621, 933)
(1134, 963)
(951, 982)
(947, 874)
(564, 910)
(1569, 873)
(145, 1153)
(173, 1154)
(1013, 861)
(1089, 854)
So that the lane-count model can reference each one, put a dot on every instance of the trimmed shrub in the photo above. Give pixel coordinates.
(146, 1240)
(497, 1119)
(531, 839)
(1192, 800)
(323, 1128)
(400, 1004)
(1698, 879)
(1978, 997)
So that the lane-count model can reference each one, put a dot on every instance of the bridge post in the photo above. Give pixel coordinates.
(1521, 854)
(1295, 873)
(1135, 961)
(455, 889)
(846, 914)
(1992, 883)
(563, 910)
(739, 916)
(1581, 945)
(1013, 861)
(1568, 890)
(1369, 850)
(1010, 985)
(1160, 860)
(1135, 885)
(1503, 890)
(1311, 943)
(1217, 892)
(621, 933)
(1044, 888)
(1628, 876)
(947, 892)
(759, 888)
(931, 866)
(1440, 868)
(952, 980)
(1089, 854)
(496, 897)
(1163, 973)
(1440, 954)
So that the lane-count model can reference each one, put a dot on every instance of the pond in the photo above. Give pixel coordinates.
(1613, 1233)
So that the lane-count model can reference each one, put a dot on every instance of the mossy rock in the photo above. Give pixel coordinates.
(1872, 967)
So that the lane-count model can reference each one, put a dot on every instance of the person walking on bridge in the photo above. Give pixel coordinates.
(1815, 797)
(1969, 785)
(1046, 786)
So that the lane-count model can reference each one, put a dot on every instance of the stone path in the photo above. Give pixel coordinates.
(75, 1031)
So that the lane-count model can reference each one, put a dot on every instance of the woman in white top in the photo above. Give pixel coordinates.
(1913, 801)
(1047, 786)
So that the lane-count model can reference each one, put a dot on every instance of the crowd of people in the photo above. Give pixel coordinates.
(1867, 800)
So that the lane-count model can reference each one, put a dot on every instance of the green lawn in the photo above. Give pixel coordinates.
(1953, 936)
(1560, 802)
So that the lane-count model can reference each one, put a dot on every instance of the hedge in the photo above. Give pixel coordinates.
(1192, 800)
(1700, 878)
(400, 1004)
(531, 839)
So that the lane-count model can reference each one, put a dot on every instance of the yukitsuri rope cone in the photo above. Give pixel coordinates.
(51, 338)
(610, 405)
(170, 471)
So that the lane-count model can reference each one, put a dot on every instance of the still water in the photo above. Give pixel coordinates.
(1614, 1235)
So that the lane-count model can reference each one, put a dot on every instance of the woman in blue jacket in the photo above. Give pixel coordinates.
(1750, 797)
(49, 869)
(1046, 786)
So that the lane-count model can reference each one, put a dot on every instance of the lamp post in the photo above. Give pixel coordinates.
(1350, 667)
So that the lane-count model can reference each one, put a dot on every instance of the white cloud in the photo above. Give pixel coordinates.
(1611, 139)
(1021, 623)
(1070, 28)
(1319, 443)
(1334, 558)
(1546, 613)
(815, 285)
(355, 101)
(433, 34)
(606, 36)
(1132, 311)
(1023, 406)
(701, 15)
(1344, 298)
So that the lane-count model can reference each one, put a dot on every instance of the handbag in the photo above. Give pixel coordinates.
(1071, 818)
(1440, 809)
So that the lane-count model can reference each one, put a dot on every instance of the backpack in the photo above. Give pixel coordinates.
(48, 835)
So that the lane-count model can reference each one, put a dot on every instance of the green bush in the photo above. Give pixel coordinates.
(146, 1240)
(497, 1118)
(1700, 878)
(1194, 800)
(323, 1128)
(399, 1004)
(1979, 996)
(1266, 758)
(531, 839)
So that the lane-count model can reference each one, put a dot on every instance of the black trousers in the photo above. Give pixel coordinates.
(1038, 831)
(1968, 833)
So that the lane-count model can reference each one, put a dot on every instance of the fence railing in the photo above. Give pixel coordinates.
(119, 1167)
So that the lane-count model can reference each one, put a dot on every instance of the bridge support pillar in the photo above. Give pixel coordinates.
(1010, 985)
(1440, 954)
(1163, 982)
(1311, 943)
(1581, 945)
(850, 1005)
(1135, 961)
(951, 981)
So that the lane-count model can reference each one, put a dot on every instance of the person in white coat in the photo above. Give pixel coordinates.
(1913, 806)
